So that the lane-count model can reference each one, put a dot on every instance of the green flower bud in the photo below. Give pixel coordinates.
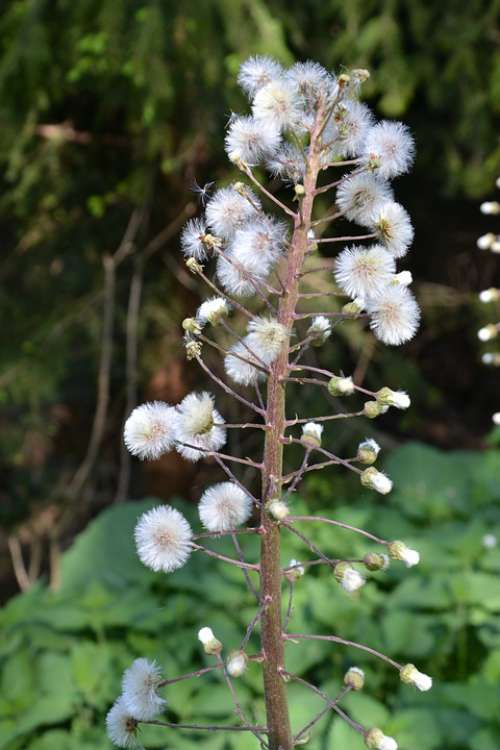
(340, 386)
(354, 678)
(191, 325)
(376, 561)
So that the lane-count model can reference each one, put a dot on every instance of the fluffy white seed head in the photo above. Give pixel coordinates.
(352, 124)
(313, 83)
(224, 506)
(349, 578)
(251, 141)
(278, 104)
(121, 726)
(163, 539)
(393, 227)
(410, 675)
(228, 210)
(278, 509)
(212, 311)
(311, 433)
(319, 330)
(258, 71)
(139, 685)
(364, 272)
(394, 315)
(148, 432)
(237, 364)
(399, 551)
(193, 239)
(486, 241)
(263, 239)
(241, 275)
(199, 424)
(266, 338)
(237, 663)
(389, 149)
(376, 480)
(360, 195)
(288, 163)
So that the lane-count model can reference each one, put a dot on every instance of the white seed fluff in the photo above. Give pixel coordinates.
(192, 239)
(387, 743)
(224, 506)
(121, 726)
(257, 72)
(251, 141)
(163, 539)
(263, 239)
(353, 121)
(360, 195)
(389, 149)
(313, 83)
(289, 163)
(266, 338)
(420, 680)
(393, 226)
(228, 210)
(199, 424)
(277, 103)
(242, 275)
(148, 432)
(320, 329)
(394, 315)
(139, 685)
(312, 430)
(239, 370)
(364, 272)
(212, 311)
(352, 580)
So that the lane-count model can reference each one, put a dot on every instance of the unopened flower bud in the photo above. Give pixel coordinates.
(236, 663)
(294, 571)
(486, 241)
(193, 265)
(399, 551)
(489, 295)
(411, 676)
(278, 509)
(349, 578)
(340, 386)
(299, 190)
(490, 207)
(209, 642)
(354, 678)
(311, 434)
(373, 409)
(388, 397)
(343, 80)
(360, 74)
(376, 561)
(191, 325)
(376, 480)
(375, 739)
(352, 308)
(368, 451)
(319, 330)
(488, 332)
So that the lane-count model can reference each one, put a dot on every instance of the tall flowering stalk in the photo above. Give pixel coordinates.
(305, 122)
(490, 332)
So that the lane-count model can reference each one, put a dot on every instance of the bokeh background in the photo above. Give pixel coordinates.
(109, 111)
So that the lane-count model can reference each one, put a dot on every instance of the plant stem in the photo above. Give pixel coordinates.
(278, 720)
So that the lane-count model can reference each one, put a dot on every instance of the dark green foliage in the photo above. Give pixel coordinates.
(62, 655)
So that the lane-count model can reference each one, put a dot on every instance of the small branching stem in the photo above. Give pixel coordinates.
(343, 642)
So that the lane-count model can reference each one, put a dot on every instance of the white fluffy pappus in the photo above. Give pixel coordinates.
(228, 210)
(240, 273)
(224, 506)
(264, 237)
(212, 311)
(352, 121)
(320, 329)
(266, 338)
(139, 685)
(360, 195)
(364, 271)
(163, 539)
(238, 364)
(278, 103)
(389, 149)
(257, 72)
(251, 141)
(313, 83)
(192, 239)
(392, 223)
(121, 726)
(148, 432)
(395, 315)
(288, 163)
(198, 423)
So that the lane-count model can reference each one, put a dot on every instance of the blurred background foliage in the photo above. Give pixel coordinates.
(62, 654)
(109, 111)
